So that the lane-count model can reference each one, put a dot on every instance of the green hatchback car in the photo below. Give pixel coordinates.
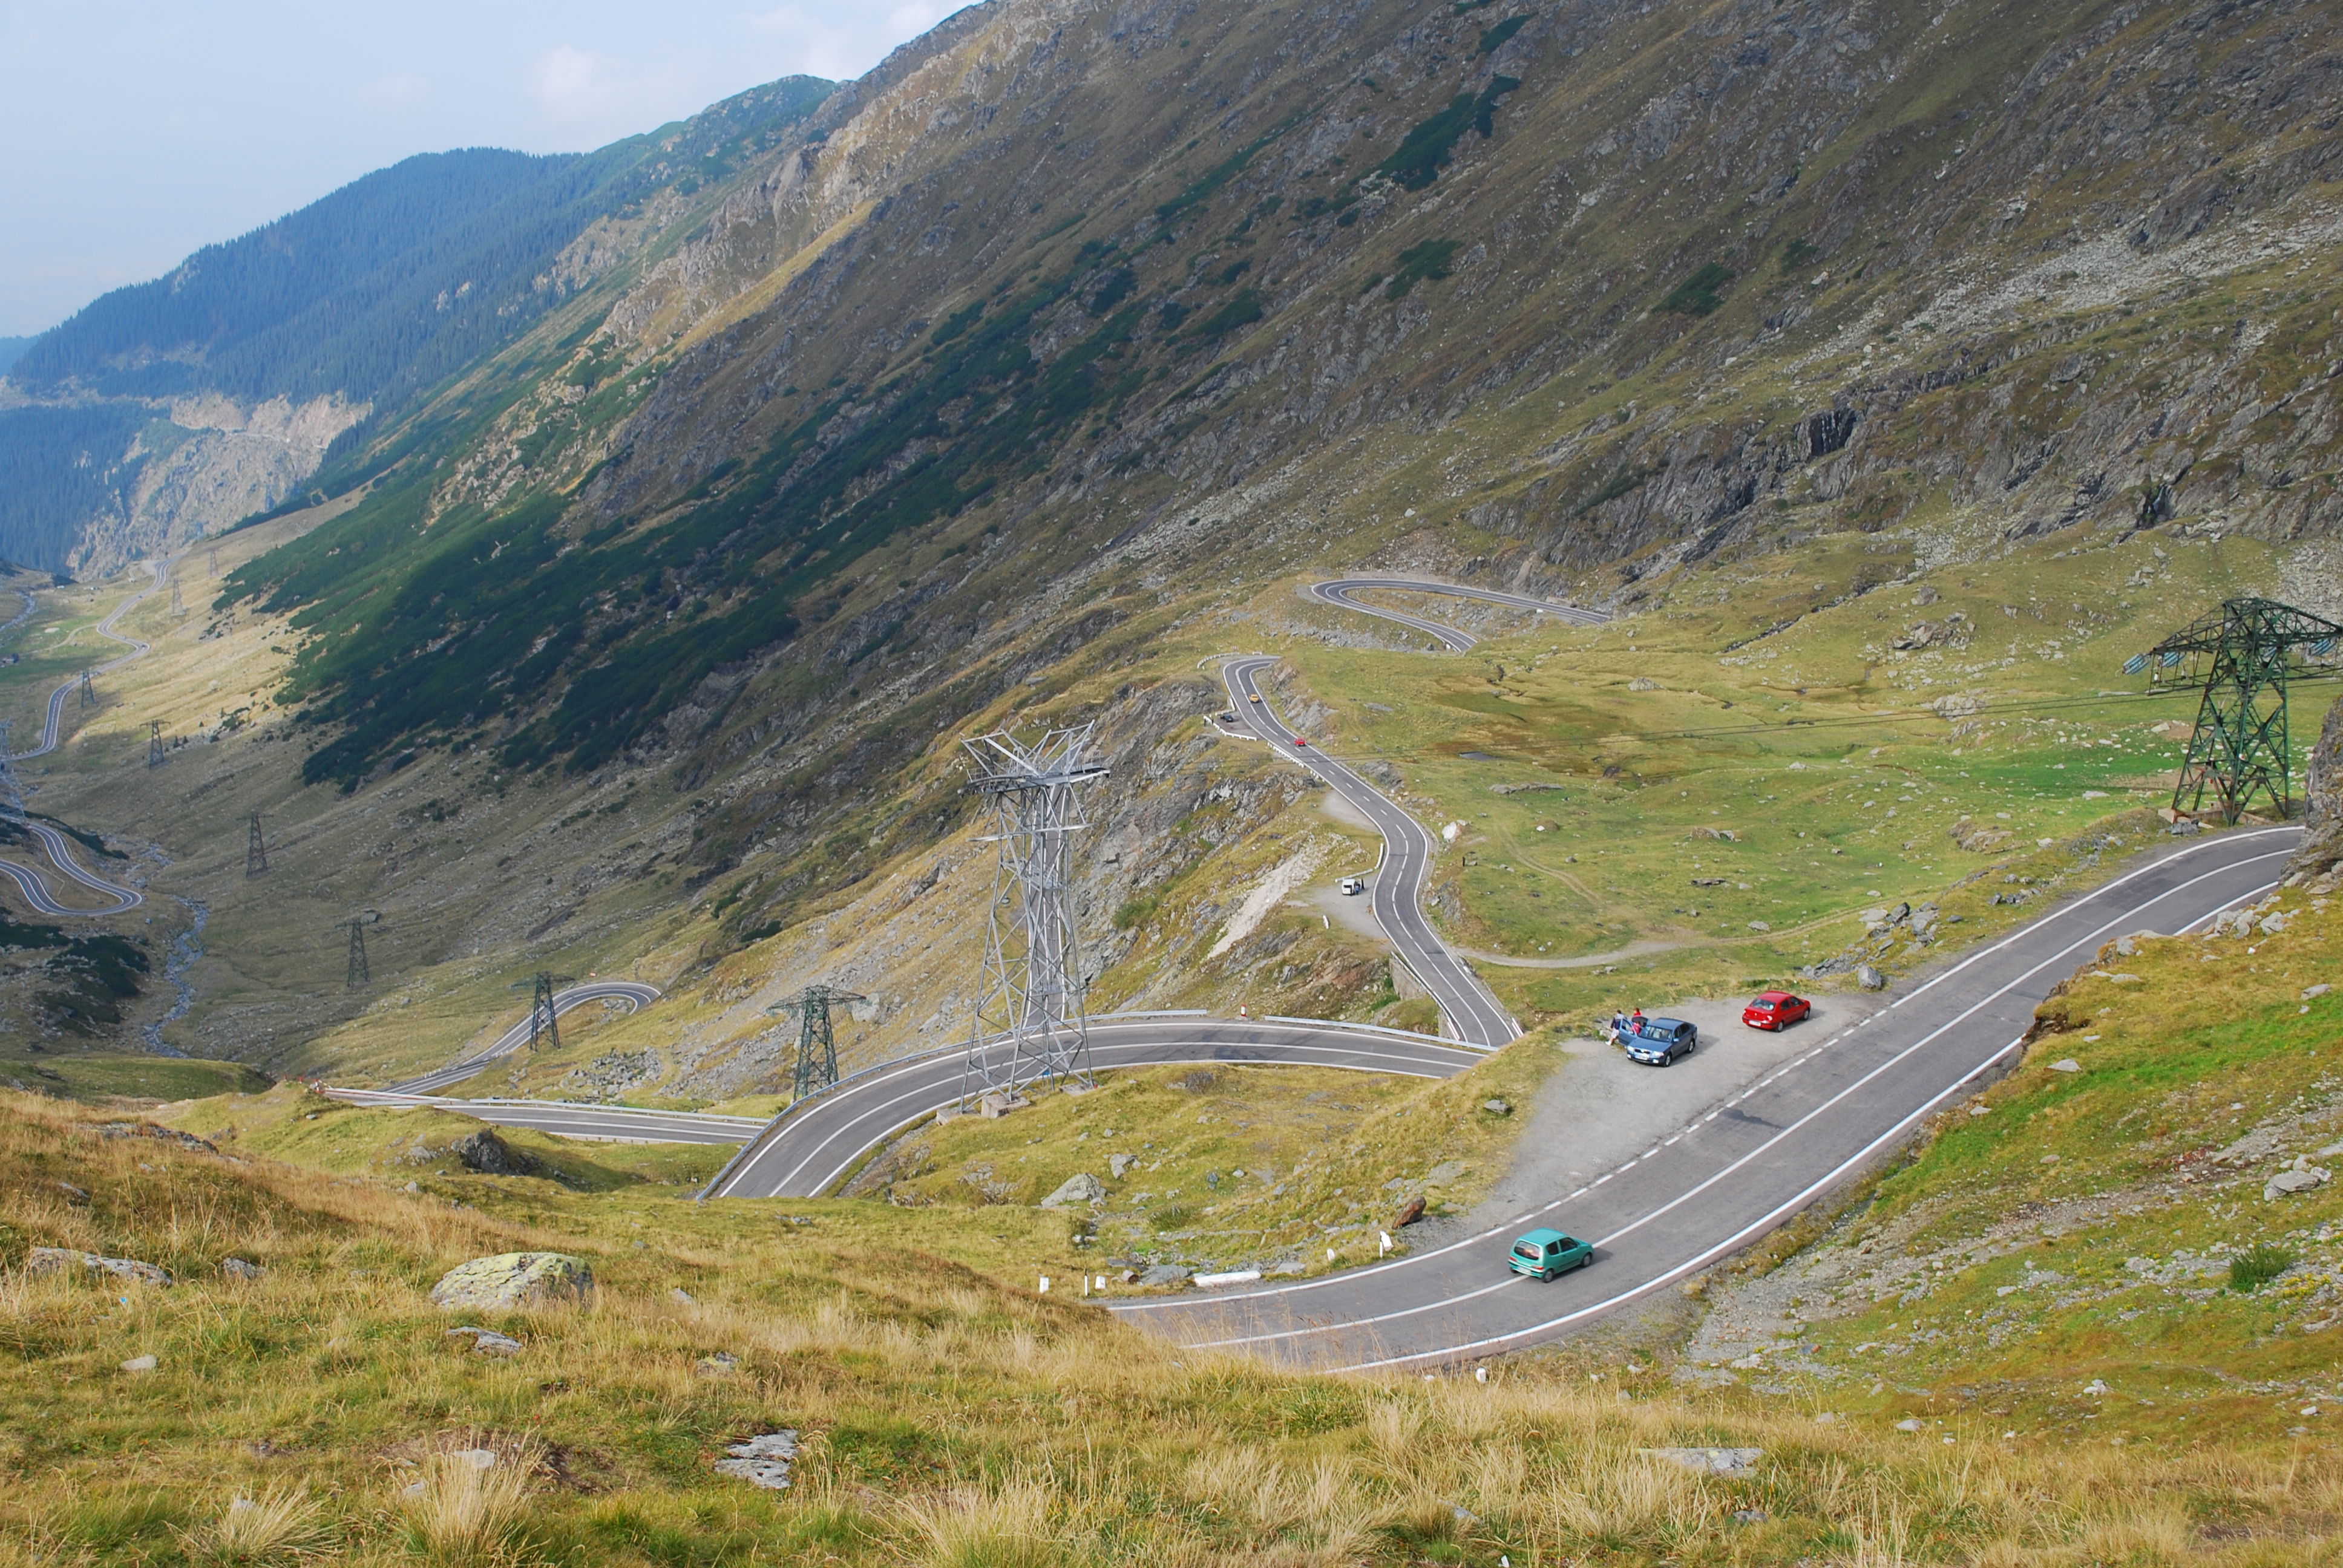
(1546, 1253)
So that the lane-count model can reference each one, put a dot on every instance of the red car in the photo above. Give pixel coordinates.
(1774, 1009)
(1299, 741)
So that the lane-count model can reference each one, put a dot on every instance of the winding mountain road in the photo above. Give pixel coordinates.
(1738, 1169)
(807, 1149)
(1344, 593)
(105, 629)
(1395, 888)
(634, 993)
(29, 880)
(1724, 1178)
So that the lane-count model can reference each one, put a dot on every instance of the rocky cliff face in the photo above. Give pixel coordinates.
(210, 464)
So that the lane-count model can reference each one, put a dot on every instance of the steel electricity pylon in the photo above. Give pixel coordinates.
(544, 1024)
(359, 974)
(154, 743)
(88, 693)
(2243, 653)
(255, 852)
(817, 1048)
(1030, 1025)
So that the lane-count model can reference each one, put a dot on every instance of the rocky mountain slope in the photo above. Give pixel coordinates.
(172, 409)
(1032, 354)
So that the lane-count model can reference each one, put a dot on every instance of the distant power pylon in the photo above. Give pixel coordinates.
(2239, 746)
(359, 974)
(816, 1047)
(256, 854)
(88, 693)
(544, 1024)
(154, 743)
(1030, 1024)
(175, 607)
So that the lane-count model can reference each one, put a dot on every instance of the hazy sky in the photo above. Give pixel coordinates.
(133, 132)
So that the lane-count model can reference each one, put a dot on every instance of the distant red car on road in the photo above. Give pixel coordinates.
(1299, 741)
(1774, 1008)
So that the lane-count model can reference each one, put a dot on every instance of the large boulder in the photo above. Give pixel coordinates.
(1083, 1189)
(490, 1155)
(509, 1280)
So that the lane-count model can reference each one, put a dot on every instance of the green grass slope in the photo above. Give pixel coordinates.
(945, 1416)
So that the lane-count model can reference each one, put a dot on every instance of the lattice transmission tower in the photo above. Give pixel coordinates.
(1029, 1026)
(816, 1047)
(358, 974)
(154, 743)
(255, 852)
(544, 1024)
(2243, 653)
(88, 693)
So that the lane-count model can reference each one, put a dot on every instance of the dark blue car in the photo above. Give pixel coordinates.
(1659, 1042)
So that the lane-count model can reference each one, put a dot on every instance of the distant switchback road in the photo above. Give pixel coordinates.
(1344, 592)
(634, 993)
(29, 880)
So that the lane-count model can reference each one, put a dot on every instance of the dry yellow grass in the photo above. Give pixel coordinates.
(945, 1420)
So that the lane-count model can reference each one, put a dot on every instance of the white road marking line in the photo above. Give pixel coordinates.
(1996, 995)
(1721, 1250)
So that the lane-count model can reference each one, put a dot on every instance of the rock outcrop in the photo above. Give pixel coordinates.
(67, 1261)
(509, 1282)
(2321, 850)
(1083, 1189)
(490, 1155)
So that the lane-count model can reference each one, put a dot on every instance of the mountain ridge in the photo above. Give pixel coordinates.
(364, 300)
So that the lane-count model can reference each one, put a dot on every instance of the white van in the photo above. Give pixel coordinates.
(1355, 885)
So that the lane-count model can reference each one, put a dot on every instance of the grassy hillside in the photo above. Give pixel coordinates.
(943, 1416)
(2091, 1254)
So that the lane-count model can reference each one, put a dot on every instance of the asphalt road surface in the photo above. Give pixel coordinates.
(29, 880)
(60, 851)
(1738, 1169)
(634, 993)
(1395, 888)
(621, 1122)
(807, 1150)
(1344, 592)
(105, 629)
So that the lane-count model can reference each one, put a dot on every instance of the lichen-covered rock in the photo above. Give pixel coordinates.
(514, 1280)
(65, 1261)
(763, 1460)
(1083, 1189)
(239, 1270)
